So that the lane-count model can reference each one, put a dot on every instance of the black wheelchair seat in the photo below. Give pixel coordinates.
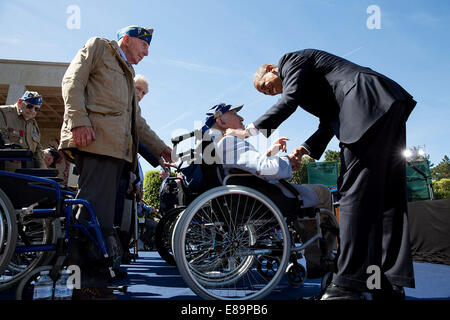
(38, 172)
(15, 154)
(289, 206)
(23, 192)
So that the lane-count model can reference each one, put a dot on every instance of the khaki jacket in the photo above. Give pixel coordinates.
(98, 91)
(15, 129)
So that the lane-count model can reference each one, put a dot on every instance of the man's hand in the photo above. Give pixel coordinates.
(83, 136)
(278, 145)
(300, 151)
(167, 154)
(166, 159)
(296, 162)
(168, 165)
(295, 158)
(240, 133)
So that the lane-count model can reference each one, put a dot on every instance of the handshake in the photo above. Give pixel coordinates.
(295, 158)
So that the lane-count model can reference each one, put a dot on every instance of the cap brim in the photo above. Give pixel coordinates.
(237, 108)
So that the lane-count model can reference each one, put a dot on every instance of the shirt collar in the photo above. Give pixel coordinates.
(123, 56)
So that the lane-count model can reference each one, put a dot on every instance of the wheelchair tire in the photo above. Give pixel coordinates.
(163, 234)
(38, 231)
(8, 231)
(296, 274)
(218, 238)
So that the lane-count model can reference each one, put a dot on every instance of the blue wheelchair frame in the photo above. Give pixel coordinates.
(63, 209)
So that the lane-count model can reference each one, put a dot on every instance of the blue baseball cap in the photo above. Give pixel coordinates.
(218, 111)
(137, 32)
(32, 97)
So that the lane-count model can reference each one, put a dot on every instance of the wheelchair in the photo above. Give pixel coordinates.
(236, 236)
(37, 223)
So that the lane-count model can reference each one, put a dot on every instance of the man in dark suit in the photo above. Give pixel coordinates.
(367, 112)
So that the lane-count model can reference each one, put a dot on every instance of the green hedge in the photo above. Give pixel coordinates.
(152, 183)
(441, 189)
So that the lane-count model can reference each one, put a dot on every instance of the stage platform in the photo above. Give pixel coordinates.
(151, 278)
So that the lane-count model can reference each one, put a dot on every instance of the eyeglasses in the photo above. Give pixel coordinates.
(31, 106)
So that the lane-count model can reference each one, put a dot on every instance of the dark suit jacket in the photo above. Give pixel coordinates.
(347, 98)
(145, 152)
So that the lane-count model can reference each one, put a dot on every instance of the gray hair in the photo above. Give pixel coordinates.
(140, 77)
(262, 70)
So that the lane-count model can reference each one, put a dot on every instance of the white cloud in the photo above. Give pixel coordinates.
(425, 18)
(351, 52)
(181, 117)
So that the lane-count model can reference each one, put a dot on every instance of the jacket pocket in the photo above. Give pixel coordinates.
(102, 110)
(113, 86)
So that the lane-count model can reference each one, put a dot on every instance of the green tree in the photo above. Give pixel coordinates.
(301, 176)
(331, 155)
(152, 183)
(442, 170)
(441, 189)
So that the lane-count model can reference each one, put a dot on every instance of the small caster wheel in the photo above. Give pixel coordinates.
(296, 274)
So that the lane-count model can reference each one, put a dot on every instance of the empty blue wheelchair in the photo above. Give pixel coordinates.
(37, 222)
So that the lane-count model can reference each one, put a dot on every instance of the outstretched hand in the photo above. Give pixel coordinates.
(165, 160)
(279, 144)
(295, 162)
(295, 158)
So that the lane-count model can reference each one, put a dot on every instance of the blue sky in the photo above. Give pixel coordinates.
(206, 51)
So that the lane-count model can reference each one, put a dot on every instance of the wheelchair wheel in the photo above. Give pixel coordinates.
(219, 237)
(8, 231)
(296, 274)
(33, 232)
(163, 234)
(267, 266)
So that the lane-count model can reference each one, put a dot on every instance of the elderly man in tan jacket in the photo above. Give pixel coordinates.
(19, 126)
(102, 121)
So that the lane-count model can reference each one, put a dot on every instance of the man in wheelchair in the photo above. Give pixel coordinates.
(18, 126)
(236, 153)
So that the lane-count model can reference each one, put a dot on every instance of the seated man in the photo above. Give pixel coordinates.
(235, 152)
(19, 126)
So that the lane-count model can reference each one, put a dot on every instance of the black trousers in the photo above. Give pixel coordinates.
(98, 184)
(373, 206)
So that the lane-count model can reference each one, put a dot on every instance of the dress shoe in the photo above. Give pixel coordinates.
(334, 292)
(394, 293)
(398, 293)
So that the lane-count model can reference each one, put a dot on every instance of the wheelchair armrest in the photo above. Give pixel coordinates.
(235, 172)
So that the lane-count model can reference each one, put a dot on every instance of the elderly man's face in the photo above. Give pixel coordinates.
(270, 83)
(141, 89)
(230, 120)
(28, 110)
(135, 49)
